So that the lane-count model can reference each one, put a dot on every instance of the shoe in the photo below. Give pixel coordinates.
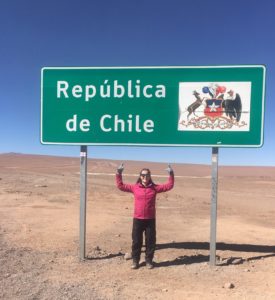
(134, 265)
(149, 265)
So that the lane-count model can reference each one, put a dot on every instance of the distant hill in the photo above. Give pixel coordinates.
(55, 164)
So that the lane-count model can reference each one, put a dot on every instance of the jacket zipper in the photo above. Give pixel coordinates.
(144, 202)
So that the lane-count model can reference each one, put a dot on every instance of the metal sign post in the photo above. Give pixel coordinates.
(213, 221)
(83, 194)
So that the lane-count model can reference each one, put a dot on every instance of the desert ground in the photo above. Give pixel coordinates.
(39, 232)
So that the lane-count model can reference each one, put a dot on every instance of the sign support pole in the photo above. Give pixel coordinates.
(213, 221)
(83, 196)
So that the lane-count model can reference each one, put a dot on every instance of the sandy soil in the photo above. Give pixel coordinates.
(39, 232)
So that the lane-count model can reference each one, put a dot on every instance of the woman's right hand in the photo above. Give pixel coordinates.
(120, 168)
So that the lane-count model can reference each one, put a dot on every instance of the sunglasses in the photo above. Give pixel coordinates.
(145, 175)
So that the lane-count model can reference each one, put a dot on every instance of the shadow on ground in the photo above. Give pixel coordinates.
(248, 248)
(200, 258)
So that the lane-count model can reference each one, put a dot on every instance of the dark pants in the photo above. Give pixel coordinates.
(149, 227)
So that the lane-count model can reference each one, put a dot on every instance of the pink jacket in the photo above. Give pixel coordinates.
(145, 197)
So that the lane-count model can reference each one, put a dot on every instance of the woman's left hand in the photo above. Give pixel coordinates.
(169, 169)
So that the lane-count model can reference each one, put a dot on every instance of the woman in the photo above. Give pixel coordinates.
(144, 191)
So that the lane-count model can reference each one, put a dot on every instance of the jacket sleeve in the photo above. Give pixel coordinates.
(160, 188)
(122, 186)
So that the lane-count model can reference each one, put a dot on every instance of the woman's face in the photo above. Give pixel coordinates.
(145, 177)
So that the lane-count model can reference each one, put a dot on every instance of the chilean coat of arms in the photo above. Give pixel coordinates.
(214, 106)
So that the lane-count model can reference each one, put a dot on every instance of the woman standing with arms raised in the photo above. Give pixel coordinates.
(144, 219)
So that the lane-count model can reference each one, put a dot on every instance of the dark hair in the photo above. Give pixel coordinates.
(149, 172)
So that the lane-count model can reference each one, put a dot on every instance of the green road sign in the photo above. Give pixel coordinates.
(217, 106)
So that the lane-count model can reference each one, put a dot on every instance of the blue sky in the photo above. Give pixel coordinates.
(35, 34)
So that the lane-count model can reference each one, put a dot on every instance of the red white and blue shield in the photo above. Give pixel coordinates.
(213, 108)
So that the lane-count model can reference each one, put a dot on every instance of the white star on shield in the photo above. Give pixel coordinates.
(213, 107)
